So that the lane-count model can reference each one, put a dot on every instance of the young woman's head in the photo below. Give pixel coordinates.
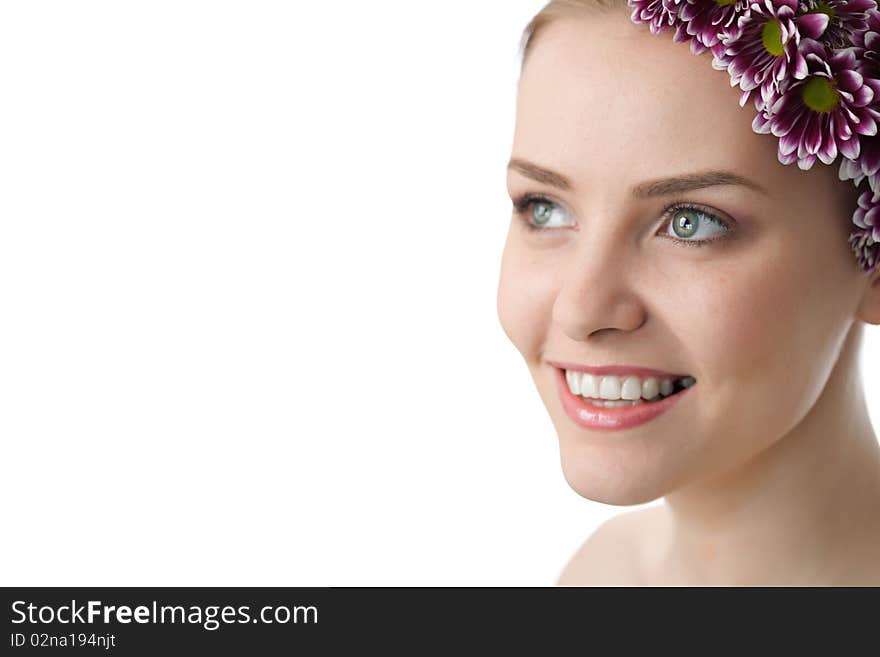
(670, 237)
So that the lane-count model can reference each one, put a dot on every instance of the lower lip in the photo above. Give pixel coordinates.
(611, 419)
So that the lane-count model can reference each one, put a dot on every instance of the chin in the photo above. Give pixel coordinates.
(608, 481)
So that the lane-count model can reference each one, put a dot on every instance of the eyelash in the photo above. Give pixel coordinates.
(522, 203)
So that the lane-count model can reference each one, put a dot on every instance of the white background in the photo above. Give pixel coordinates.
(249, 254)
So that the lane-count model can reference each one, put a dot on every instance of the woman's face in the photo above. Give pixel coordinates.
(757, 317)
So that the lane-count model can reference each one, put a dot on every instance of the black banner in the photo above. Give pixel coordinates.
(334, 621)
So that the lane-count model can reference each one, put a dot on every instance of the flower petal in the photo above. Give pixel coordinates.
(812, 25)
(868, 125)
(850, 80)
(828, 152)
(807, 163)
(813, 136)
(849, 147)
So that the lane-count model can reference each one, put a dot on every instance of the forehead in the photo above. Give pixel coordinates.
(599, 88)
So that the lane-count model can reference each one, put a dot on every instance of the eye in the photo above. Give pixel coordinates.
(688, 224)
(691, 225)
(539, 212)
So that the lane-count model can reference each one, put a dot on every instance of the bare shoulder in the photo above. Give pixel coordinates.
(858, 563)
(609, 557)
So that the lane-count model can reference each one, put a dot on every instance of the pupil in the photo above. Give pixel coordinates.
(684, 225)
(542, 215)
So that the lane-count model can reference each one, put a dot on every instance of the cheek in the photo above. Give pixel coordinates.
(525, 300)
(767, 337)
(745, 325)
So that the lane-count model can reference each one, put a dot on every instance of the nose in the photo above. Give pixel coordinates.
(596, 293)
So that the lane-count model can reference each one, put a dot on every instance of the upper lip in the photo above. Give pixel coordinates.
(618, 370)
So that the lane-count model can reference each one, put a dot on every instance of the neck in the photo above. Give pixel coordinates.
(798, 513)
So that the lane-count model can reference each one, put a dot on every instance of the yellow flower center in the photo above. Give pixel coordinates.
(820, 95)
(772, 37)
(724, 3)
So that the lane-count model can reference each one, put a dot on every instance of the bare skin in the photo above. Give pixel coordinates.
(620, 553)
(798, 515)
(769, 471)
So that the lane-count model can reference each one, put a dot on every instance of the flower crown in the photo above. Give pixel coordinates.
(812, 70)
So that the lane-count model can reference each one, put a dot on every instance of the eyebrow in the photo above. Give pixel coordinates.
(648, 189)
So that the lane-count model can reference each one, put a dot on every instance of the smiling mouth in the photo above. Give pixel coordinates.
(613, 391)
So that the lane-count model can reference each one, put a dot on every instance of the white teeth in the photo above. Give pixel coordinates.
(609, 388)
(590, 386)
(627, 388)
(573, 380)
(650, 387)
(631, 388)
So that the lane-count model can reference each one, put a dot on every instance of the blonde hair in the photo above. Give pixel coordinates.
(560, 8)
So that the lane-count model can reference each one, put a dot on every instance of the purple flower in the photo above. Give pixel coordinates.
(847, 18)
(867, 48)
(865, 238)
(764, 50)
(867, 41)
(708, 20)
(856, 170)
(821, 113)
(659, 15)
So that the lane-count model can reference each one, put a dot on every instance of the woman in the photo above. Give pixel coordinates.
(661, 255)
